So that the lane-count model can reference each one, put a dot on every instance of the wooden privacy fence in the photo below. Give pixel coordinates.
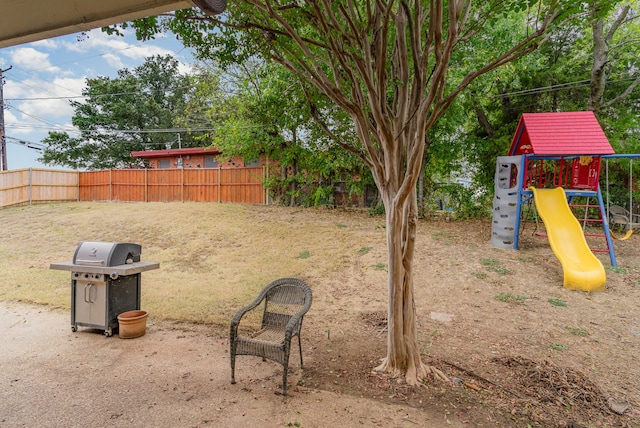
(32, 186)
(243, 185)
(37, 186)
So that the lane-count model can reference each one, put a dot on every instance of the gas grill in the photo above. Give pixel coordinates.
(105, 282)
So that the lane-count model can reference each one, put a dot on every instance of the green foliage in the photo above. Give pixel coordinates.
(322, 195)
(511, 298)
(269, 104)
(619, 270)
(556, 77)
(577, 331)
(557, 302)
(333, 87)
(557, 346)
(377, 209)
(305, 255)
(380, 266)
(493, 265)
(263, 110)
(117, 112)
(500, 270)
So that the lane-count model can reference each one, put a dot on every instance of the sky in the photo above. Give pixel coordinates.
(45, 75)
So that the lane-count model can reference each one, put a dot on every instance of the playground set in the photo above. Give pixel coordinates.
(555, 158)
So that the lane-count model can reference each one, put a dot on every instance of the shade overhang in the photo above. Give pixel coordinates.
(24, 21)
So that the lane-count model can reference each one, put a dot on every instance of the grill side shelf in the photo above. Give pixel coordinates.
(121, 270)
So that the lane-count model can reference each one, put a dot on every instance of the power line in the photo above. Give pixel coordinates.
(39, 119)
(28, 144)
(117, 94)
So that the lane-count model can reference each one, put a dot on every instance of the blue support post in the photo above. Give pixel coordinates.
(605, 226)
(516, 232)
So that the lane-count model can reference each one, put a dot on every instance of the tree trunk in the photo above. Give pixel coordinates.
(598, 75)
(483, 120)
(292, 186)
(403, 352)
(421, 208)
(602, 39)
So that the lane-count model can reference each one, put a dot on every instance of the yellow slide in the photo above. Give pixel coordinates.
(582, 270)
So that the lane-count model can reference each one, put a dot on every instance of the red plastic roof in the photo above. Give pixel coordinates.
(563, 133)
(148, 154)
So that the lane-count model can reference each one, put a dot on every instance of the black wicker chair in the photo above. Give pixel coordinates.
(283, 304)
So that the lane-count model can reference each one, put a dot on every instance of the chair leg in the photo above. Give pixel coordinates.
(233, 364)
(285, 367)
(284, 380)
(300, 348)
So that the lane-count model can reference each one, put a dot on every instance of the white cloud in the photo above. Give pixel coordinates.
(113, 60)
(184, 68)
(46, 43)
(67, 86)
(122, 52)
(117, 51)
(32, 59)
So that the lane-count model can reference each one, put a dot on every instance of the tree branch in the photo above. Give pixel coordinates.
(623, 95)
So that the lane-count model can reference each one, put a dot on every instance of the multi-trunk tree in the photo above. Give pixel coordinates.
(388, 65)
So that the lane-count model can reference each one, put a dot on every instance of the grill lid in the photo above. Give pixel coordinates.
(106, 253)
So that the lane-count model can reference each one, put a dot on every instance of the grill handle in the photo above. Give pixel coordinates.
(88, 286)
(89, 262)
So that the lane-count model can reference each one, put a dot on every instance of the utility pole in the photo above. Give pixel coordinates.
(3, 139)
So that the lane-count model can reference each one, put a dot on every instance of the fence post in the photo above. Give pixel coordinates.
(181, 184)
(146, 185)
(110, 186)
(30, 186)
(265, 177)
(219, 185)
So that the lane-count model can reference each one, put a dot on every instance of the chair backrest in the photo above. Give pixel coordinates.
(617, 214)
(285, 298)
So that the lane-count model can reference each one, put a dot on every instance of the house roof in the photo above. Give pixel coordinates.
(560, 133)
(169, 153)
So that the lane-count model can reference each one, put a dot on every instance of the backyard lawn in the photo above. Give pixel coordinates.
(523, 349)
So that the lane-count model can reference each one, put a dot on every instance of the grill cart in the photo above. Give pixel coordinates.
(105, 282)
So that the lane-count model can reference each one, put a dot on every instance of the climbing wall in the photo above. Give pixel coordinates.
(505, 201)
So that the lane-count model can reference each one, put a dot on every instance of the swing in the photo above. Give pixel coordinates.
(621, 221)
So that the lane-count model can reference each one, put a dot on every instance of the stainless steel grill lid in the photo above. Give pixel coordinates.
(105, 254)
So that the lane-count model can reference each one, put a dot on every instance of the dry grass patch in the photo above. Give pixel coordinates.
(213, 257)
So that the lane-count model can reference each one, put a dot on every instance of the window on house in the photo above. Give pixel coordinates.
(210, 162)
(164, 164)
(251, 162)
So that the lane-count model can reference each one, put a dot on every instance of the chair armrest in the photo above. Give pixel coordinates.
(296, 318)
(238, 315)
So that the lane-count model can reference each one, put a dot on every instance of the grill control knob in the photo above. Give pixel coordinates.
(113, 275)
(86, 275)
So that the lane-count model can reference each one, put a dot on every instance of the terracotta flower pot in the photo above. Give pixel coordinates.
(132, 324)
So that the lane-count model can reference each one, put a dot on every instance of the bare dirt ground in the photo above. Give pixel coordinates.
(519, 348)
(174, 376)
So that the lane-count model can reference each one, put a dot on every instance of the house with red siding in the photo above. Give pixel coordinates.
(192, 157)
